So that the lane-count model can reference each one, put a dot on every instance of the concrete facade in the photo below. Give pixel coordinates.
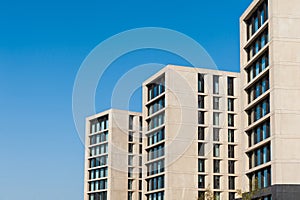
(209, 129)
(120, 132)
(282, 72)
(184, 145)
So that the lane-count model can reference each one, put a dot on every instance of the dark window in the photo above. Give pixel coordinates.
(217, 182)
(216, 103)
(201, 117)
(231, 167)
(201, 181)
(230, 89)
(217, 166)
(201, 101)
(201, 165)
(230, 151)
(201, 133)
(231, 182)
(200, 149)
(201, 83)
(216, 134)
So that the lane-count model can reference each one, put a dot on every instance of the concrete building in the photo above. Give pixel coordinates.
(202, 128)
(191, 121)
(270, 74)
(113, 161)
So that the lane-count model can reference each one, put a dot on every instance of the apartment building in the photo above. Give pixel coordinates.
(191, 137)
(209, 129)
(270, 46)
(113, 160)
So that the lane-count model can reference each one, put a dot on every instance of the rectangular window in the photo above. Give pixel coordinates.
(201, 117)
(130, 148)
(201, 165)
(201, 102)
(201, 83)
(217, 166)
(201, 133)
(216, 150)
(130, 136)
(230, 135)
(231, 196)
(230, 151)
(216, 119)
(230, 89)
(231, 168)
(216, 84)
(201, 181)
(231, 182)
(130, 122)
(216, 103)
(230, 104)
(216, 134)
(230, 120)
(217, 182)
(200, 149)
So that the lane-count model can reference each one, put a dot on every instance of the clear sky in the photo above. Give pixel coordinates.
(42, 45)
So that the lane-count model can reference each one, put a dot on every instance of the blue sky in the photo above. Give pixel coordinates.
(42, 45)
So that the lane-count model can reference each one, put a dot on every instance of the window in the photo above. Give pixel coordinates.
(216, 134)
(216, 84)
(200, 149)
(216, 103)
(98, 173)
(259, 133)
(260, 179)
(130, 172)
(259, 43)
(230, 89)
(156, 137)
(130, 159)
(230, 151)
(156, 88)
(258, 18)
(130, 148)
(201, 102)
(217, 166)
(130, 136)
(99, 124)
(230, 104)
(140, 184)
(230, 120)
(259, 111)
(130, 195)
(216, 119)
(155, 167)
(201, 181)
(217, 182)
(231, 167)
(130, 183)
(99, 138)
(201, 117)
(258, 89)
(156, 152)
(140, 149)
(259, 65)
(231, 182)
(156, 121)
(216, 150)
(217, 195)
(130, 122)
(201, 133)
(156, 106)
(140, 161)
(155, 183)
(201, 165)
(201, 83)
(230, 135)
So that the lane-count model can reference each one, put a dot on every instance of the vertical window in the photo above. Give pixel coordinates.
(200, 149)
(131, 122)
(230, 104)
(216, 119)
(230, 89)
(130, 136)
(217, 166)
(130, 148)
(216, 84)
(216, 134)
(201, 83)
(230, 120)
(201, 181)
(201, 102)
(231, 182)
(231, 167)
(230, 151)
(217, 182)
(216, 103)
(216, 150)
(201, 133)
(231, 196)
(201, 117)
(201, 165)
(230, 135)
